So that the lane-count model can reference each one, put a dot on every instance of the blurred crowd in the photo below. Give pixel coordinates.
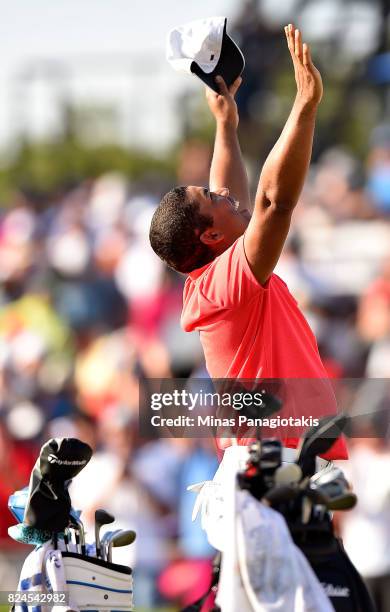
(86, 310)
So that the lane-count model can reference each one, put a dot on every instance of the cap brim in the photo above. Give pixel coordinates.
(230, 65)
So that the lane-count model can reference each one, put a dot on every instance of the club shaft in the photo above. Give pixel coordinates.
(101, 518)
(79, 529)
(97, 540)
(77, 539)
(74, 536)
(66, 541)
(109, 553)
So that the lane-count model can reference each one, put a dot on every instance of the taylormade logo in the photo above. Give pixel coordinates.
(54, 459)
(335, 591)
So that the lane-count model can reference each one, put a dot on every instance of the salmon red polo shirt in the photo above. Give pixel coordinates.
(249, 330)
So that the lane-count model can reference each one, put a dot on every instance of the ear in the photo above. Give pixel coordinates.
(211, 237)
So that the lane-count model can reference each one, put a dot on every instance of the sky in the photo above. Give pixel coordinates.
(100, 42)
(112, 53)
(65, 28)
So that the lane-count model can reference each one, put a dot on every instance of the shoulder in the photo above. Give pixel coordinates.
(227, 281)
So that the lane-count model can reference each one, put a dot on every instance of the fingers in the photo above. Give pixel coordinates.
(298, 45)
(299, 51)
(294, 41)
(210, 93)
(223, 90)
(307, 77)
(307, 56)
(288, 32)
(235, 86)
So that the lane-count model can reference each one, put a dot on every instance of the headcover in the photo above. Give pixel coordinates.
(204, 48)
(48, 504)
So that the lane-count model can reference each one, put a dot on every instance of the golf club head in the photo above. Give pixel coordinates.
(316, 495)
(107, 536)
(287, 474)
(270, 404)
(345, 501)
(328, 474)
(281, 494)
(338, 495)
(123, 538)
(318, 440)
(271, 454)
(334, 487)
(102, 517)
(74, 515)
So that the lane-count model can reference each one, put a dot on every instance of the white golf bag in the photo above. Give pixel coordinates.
(94, 584)
(87, 583)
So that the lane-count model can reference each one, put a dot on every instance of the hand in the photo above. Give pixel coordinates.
(223, 105)
(307, 77)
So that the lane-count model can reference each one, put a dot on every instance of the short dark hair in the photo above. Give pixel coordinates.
(175, 229)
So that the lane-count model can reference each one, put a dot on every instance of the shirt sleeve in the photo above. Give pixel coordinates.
(229, 281)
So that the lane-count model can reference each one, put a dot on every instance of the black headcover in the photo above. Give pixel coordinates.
(48, 504)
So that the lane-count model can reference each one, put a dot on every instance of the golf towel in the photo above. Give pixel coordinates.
(273, 573)
(43, 572)
(262, 570)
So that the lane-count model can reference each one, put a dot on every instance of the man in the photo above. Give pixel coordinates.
(250, 325)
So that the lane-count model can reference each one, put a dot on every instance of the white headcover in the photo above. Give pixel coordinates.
(199, 41)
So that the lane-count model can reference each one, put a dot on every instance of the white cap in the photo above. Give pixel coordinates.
(204, 48)
(199, 41)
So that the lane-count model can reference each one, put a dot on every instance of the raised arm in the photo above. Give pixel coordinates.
(283, 174)
(227, 166)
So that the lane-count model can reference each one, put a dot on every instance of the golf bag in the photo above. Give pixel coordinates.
(57, 563)
(286, 488)
(332, 566)
(329, 561)
(90, 584)
(94, 584)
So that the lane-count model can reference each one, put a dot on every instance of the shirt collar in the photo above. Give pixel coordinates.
(198, 272)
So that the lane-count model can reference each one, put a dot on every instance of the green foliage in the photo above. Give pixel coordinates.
(46, 166)
(348, 112)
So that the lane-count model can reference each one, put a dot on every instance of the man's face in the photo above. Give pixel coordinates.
(229, 223)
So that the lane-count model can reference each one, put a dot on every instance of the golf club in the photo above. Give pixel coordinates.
(289, 473)
(123, 538)
(327, 475)
(318, 440)
(101, 518)
(334, 487)
(281, 494)
(76, 530)
(77, 521)
(104, 542)
(66, 538)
